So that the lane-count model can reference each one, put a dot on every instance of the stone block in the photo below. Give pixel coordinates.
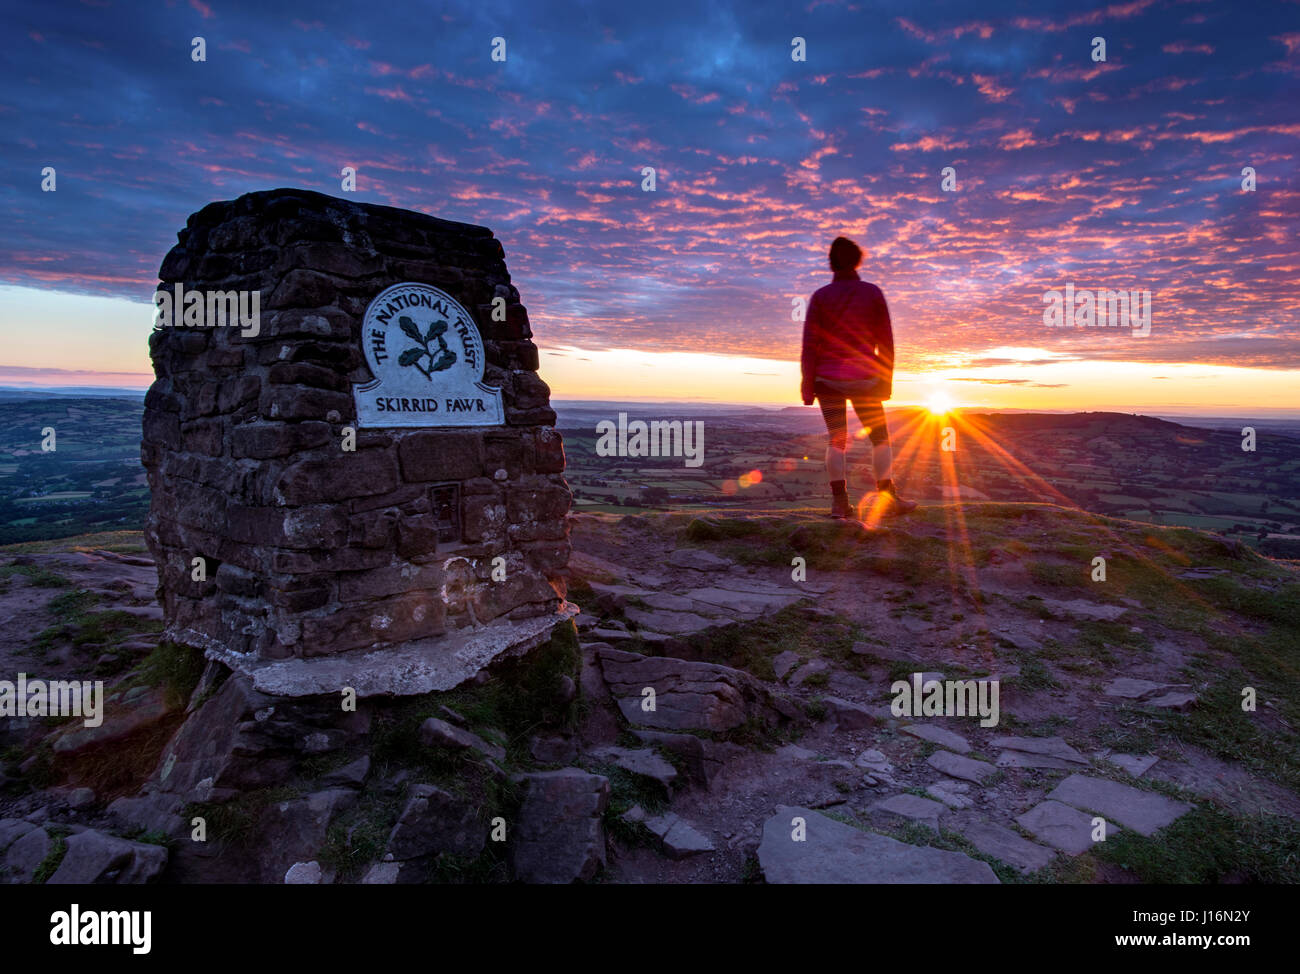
(442, 455)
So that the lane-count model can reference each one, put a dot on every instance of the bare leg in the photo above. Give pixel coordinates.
(836, 418)
(836, 462)
(882, 458)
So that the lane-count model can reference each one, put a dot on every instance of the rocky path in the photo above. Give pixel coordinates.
(735, 726)
(1025, 799)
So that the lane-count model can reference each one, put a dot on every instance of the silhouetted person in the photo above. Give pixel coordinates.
(848, 356)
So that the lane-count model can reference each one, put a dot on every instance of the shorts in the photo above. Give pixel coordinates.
(870, 412)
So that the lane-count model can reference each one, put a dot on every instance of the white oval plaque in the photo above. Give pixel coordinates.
(426, 355)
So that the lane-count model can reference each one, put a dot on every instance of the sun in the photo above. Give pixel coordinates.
(939, 404)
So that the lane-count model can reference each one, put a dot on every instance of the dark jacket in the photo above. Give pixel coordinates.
(848, 336)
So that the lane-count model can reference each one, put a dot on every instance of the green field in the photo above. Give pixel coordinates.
(62, 495)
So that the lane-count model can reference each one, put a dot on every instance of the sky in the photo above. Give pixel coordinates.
(1119, 174)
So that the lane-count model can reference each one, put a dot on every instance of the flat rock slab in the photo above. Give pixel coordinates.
(749, 603)
(945, 792)
(436, 821)
(1085, 609)
(560, 837)
(1020, 640)
(1132, 689)
(759, 586)
(783, 663)
(1135, 764)
(956, 766)
(1142, 811)
(1011, 847)
(668, 602)
(939, 735)
(25, 854)
(1021, 759)
(699, 560)
(670, 623)
(678, 838)
(682, 840)
(94, 857)
(410, 669)
(847, 714)
(795, 752)
(622, 635)
(1063, 826)
(303, 874)
(832, 852)
(811, 668)
(912, 807)
(620, 592)
(1172, 701)
(12, 829)
(382, 874)
(1051, 746)
(435, 732)
(642, 762)
(689, 695)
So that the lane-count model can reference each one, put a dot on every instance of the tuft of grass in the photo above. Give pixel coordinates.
(1217, 724)
(357, 839)
(752, 646)
(1059, 576)
(35, 575)
(174, 667)
(1034, 675)
(580, 592)
(152, 837)
(79, 625)
(234, 821)
(52, 858)
(702, 530)
(1209, 846)
(627, 789)
(1099, 635)
(40, 775)
(490, 866)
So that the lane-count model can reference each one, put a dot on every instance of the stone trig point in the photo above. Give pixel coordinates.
(366, 488)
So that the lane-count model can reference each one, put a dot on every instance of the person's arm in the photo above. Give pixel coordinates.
(885, 346)
(808, 358)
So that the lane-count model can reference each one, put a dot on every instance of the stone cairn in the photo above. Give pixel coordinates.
(308, 549)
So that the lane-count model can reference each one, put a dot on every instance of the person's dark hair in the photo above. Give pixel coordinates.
(845, 254)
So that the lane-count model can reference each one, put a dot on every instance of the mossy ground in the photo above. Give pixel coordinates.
(80, 623)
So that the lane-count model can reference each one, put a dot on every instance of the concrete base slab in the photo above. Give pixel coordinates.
(410, 669)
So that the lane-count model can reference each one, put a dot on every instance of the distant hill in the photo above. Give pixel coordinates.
(47, 392)
(1138, 467)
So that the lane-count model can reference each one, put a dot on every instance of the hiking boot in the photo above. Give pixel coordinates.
(840, 507)
(890, 504)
